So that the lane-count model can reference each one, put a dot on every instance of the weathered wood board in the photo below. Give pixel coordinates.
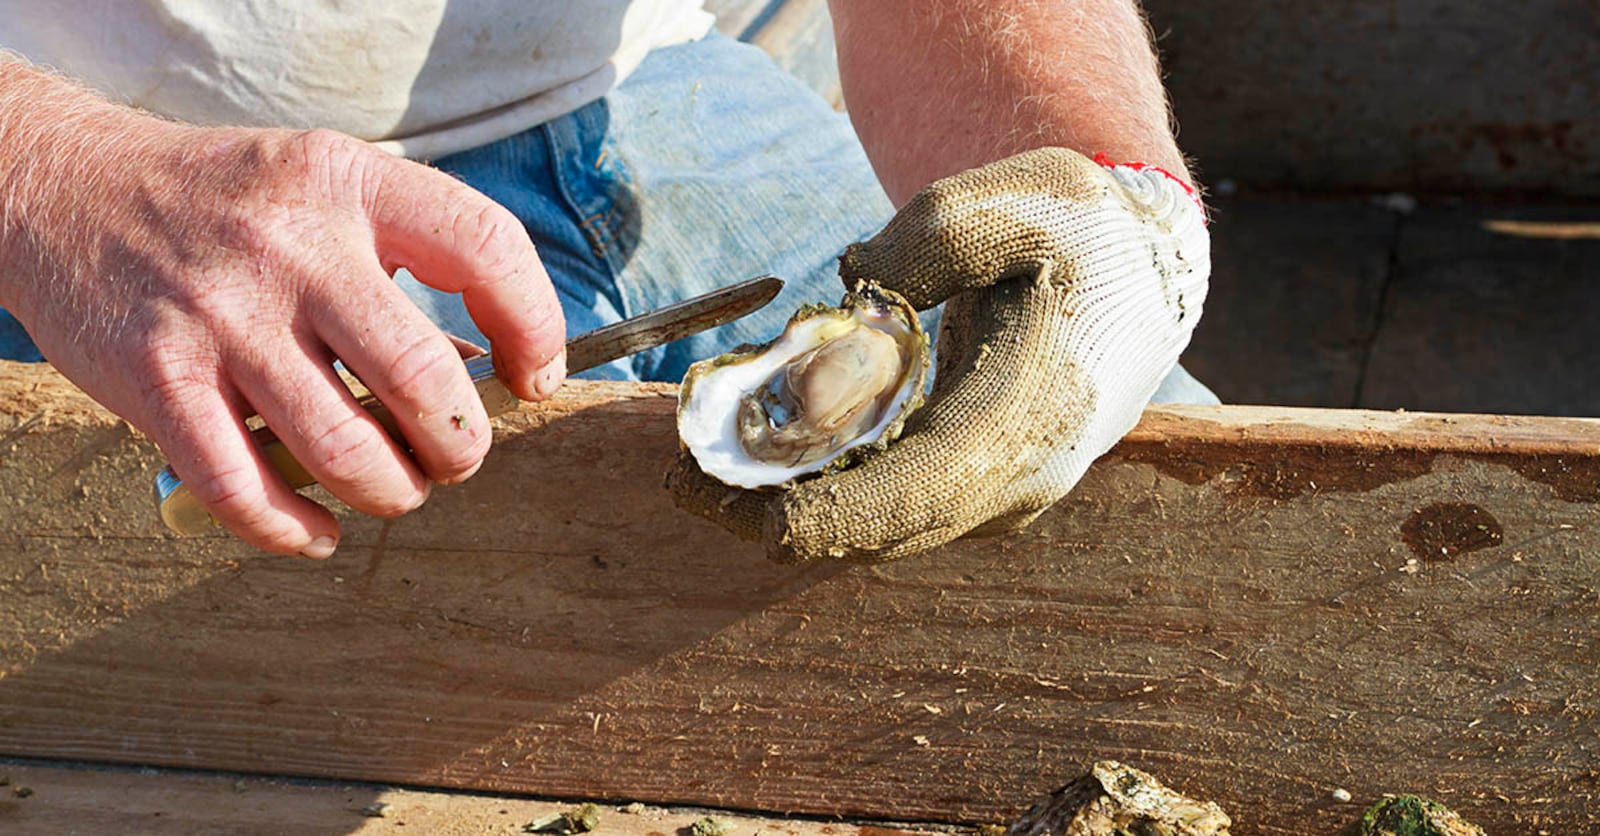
(1259, 606)
(47, 800)
(798, 34)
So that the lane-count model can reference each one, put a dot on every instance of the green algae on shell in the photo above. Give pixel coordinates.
(1411, 815)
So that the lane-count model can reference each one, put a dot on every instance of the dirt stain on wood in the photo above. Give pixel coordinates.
(1276, 471)
(1446, 530)
(1574, 478)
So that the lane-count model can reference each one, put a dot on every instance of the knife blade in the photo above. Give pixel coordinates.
(185, 516)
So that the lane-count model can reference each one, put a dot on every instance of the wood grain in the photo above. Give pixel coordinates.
(1228, 601)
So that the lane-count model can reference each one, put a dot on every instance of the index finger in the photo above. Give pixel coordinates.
(455, 239)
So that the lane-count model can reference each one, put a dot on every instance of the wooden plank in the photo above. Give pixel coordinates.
(798, 34)
(57, 799)
(1292, 306)
(1256, 605)
(799, 37)
(1492, 308)
(734, 17)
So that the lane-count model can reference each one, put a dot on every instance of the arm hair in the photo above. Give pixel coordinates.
(935, 87)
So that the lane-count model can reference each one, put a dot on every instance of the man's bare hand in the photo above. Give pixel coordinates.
(188, 277)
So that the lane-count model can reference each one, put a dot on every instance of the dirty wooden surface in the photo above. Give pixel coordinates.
(55, 800)
(798, 34)
(1257, 606)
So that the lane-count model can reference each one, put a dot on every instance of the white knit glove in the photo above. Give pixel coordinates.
(1072, 286)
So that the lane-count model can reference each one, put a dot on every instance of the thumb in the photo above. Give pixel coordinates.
(739, 510)
(950, 236)
(979, 450)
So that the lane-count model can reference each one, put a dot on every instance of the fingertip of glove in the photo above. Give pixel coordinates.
(737, 511)
(852, 266)
(677, 478)
(798, 530)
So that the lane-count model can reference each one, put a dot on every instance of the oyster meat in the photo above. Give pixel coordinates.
(836, 382)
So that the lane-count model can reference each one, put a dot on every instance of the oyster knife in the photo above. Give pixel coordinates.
(184, 514)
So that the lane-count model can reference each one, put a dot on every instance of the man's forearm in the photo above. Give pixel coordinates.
(939, 86)
(56, 135)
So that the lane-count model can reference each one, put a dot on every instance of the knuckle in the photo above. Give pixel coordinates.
(546, 319)
(422, 375)
(269, 174)
(335, 161)
(170, 379)
(237, 498)
(324, 145)
(424, 368)
(230, 494)
(350, 457)
(350, 451)
(457, 462)
(494, 235)
(546, 331)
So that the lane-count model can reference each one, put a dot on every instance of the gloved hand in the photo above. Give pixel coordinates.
(1072, 286)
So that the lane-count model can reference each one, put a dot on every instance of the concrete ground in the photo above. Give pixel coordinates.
(1383, 303)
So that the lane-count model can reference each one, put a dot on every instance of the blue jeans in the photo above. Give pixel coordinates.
(707, 165)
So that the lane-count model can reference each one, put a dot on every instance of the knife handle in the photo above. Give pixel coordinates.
(186, 517)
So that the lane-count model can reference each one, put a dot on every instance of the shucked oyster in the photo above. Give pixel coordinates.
(835, 382)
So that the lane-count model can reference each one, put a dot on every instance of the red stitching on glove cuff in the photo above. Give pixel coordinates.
(1104, 160)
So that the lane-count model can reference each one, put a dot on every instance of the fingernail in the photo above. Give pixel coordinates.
(548, 379)
(320, 548)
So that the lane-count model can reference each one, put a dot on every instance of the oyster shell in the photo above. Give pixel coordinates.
(836, 382)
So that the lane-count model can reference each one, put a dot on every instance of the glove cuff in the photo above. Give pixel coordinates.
(1105, 161)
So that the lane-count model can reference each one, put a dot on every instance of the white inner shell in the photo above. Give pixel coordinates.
(708, 421)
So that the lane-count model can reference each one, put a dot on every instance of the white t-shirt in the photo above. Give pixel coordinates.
(423, 78)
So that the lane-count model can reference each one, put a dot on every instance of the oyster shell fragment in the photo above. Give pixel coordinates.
(837, 381)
